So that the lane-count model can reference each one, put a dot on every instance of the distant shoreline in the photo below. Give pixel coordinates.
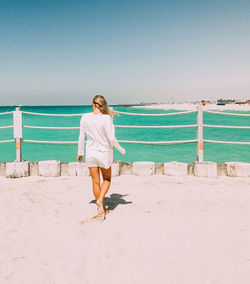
(174, 106)
(190, 106)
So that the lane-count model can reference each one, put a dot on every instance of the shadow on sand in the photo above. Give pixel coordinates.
(113, 201)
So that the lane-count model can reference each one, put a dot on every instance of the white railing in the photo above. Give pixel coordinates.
(18, 126)
(227, 113)
(155, 114)
(7, 112)
(5, 127)
(52, 114)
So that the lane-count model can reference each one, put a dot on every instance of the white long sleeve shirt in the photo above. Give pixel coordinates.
(100, 132)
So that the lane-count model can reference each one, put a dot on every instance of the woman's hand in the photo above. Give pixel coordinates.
(123, 151)
(79, 158)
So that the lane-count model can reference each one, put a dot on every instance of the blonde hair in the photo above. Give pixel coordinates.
(100, 102)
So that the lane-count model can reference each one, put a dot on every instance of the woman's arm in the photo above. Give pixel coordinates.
(110, 132)
(81, 141)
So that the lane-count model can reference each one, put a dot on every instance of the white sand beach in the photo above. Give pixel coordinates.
(161, 230)
(190, 106)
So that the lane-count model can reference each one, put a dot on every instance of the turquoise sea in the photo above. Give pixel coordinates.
(134, 152)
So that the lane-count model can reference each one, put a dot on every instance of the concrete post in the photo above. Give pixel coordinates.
(200, 134)
(17, 122)
(143, 168)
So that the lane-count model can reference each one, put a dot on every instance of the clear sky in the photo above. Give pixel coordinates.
(65, 52)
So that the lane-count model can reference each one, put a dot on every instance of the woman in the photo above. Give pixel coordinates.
(99, 128)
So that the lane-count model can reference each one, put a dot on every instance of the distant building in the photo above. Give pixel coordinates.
(238, 102)
(225, 101)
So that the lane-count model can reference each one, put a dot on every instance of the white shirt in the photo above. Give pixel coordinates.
(100, 132)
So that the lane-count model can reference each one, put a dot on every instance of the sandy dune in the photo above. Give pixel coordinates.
(161, 230)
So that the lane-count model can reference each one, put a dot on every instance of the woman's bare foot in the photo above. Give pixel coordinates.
(101, 207)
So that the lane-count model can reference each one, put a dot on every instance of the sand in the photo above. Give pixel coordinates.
(161, 230)
(190, 106)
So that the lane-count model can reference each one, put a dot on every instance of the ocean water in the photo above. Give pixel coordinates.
(134, 152)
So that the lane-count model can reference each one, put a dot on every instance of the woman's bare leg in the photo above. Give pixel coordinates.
(94, 172)
(106, 173)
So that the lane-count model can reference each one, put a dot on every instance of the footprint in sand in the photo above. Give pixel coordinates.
(95, 218)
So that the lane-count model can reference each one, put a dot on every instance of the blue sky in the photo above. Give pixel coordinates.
(65, 52)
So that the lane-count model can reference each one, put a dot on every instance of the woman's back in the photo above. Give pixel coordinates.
(100, 132)
(98, 129)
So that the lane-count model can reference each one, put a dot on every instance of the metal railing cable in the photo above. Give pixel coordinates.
(227, 113)
(158, 142)
(120, 112)
(154, 114)
(5, 127)
(7, 141)
(7, 112)
(49, 142)
(120, 141)
(118, 126)
(130, 113)
(156, 126)
(49, 127)
(226, 126)
(226, 142)
(52, 114)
